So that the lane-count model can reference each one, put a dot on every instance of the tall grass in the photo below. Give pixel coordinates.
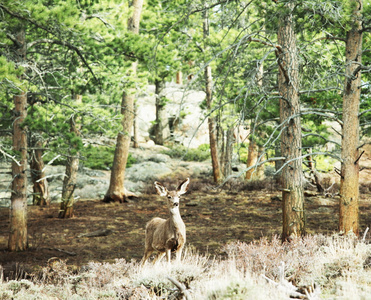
(313, 267)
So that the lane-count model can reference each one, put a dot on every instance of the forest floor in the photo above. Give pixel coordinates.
(212, 218)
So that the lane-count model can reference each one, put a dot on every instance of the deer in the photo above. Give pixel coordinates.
(166, 236)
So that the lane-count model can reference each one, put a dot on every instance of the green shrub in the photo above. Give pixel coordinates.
(201, 153)
(94, 157)
(243, 152)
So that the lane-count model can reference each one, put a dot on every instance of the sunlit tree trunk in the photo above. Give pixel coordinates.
(116, 190)
(253, 149)
(349, 183)
(252, 158)
(136, 127)
(161, 130)
(211, 121)
(179, 77)
(291, 147)
(39, 182)
(18, 209)
(18, 240)
(72, 167)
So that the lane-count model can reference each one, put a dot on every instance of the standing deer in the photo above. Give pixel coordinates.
(166, 236)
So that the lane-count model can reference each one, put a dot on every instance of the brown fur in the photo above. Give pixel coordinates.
(166, 236)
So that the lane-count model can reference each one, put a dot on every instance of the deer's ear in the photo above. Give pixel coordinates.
(161, 190)
(183, 187)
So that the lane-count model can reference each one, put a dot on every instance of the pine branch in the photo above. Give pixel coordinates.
(68, 45)
(63, 43)
(19, 16)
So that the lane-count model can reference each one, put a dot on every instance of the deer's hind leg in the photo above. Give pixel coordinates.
(147, 254)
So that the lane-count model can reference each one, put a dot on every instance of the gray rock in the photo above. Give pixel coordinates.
(147, 171)
(159, 158)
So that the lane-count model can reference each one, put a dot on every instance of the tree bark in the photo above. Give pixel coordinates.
(116, 190)
(228, 154)
(253, 150)
(211, 121)
(179, 77)
(291, 147)
(252, 158)
(135, 127)
(161, 128)
(72, 166)
(40, 185)
(349, 183)
(18, 240)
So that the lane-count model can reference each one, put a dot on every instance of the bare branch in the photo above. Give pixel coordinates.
(329, 37)
(278, 47)
(182, 289)
(271, 159)
(307, 155)
(11, 157)
(364, 112)
(319, 90)
(322, 112)
(100, 19)
(320, 136)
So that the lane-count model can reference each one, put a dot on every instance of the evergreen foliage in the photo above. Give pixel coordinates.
(84, 48)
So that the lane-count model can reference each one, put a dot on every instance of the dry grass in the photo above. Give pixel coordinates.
(315, 267)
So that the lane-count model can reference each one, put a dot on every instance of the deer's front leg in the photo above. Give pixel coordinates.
(179, 254)
(159, 256)
(168, 255)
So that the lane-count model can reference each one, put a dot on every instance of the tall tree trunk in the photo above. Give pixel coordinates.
(18, 240)
(72, 166)
(252, 155)
(135, 127)
(349, 183)
(161, 128)
(179, 77)
(116, 190)
(40, 184)
(288, 85)
(211, 121)
(252, 158)
(228, 152)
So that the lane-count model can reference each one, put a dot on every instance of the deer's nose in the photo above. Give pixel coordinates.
(176, 204)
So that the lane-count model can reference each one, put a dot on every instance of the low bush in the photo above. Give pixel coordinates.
(93, 157)
(201, 153)
(313, 267)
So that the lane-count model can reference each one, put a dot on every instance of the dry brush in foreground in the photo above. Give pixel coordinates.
(310, 268)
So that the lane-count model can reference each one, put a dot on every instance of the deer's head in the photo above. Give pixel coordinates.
(172, 196)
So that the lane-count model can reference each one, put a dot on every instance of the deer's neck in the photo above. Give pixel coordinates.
(176, 221)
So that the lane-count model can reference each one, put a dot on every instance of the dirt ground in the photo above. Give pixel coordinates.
(212, 220)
